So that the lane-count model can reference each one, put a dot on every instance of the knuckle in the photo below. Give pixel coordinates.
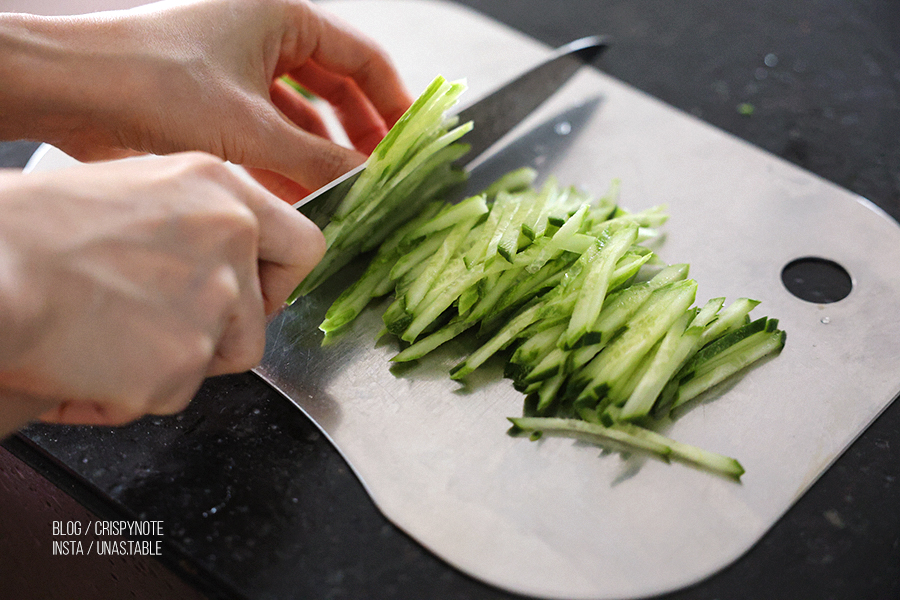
(197, 352)
(178, 372)
(246, 225)
(200, 162)
(343, 88)
(203, 167)
(230, 230)
(177, 400)
(224, 289)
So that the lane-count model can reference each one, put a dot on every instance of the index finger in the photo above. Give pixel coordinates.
(289, 246)
(341, 49)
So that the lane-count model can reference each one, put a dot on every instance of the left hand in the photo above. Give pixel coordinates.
(205, 75)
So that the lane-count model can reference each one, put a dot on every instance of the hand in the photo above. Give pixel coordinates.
(125, 284)
(205, 75)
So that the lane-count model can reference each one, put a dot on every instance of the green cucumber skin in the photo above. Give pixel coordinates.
(554, 278)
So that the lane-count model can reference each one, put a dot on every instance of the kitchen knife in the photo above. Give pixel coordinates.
(494, 116)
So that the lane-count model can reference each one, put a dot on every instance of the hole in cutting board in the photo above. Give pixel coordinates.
(817, 280)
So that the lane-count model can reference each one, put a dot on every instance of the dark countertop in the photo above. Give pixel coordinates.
(256, 502)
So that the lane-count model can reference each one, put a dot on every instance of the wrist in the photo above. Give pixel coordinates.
(17, 411)
(20, 312)
(21, 299)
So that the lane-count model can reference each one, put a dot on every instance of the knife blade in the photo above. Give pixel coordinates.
(494, 115)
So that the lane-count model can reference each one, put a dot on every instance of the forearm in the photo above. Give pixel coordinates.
(61, 77)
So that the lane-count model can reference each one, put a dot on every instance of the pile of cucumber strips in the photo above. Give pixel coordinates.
(602, 337)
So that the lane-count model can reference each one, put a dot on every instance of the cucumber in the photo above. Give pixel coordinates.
(596, 283)
(418, 254)
(438, 262)
(522, 320)
(599, 334)
(596, 431)
(674, 348)
(423, 142)
(664, 306)
(519, 180)
(422, 347)
(536, 220)
(356, 297)
(559, 240)
(547, 393)
(711, 461)
(734, 316)
(721, 344)
(729, 362)
(538, 345)
(450, 215)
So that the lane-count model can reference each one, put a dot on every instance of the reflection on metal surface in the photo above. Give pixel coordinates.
(541, 147)
(558, 518)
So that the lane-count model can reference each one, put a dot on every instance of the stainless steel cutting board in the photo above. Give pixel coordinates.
(559, 518)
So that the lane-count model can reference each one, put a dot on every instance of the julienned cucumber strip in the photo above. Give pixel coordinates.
(426, 345)
(498, 342)
(686, 453)
(596, 330)
(731, 318)
(597, 282)
(649, 324)
(720, 344)
(450, 215)
(420, 134)
(738, 357)
(437, 262)
(634, 438)
(579, 427)
(519, 180)
(678, 342)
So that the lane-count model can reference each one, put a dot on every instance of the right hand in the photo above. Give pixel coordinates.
(125, 284)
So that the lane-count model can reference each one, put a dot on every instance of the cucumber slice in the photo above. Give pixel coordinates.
(729, 362)
(677, 344)
(595, 431)
(518, 323)
(710, 461)
(602, 263)
(438, 262)
(451, 215)
(443, 335)
(732, 317)
(664, 306)
(518, 180)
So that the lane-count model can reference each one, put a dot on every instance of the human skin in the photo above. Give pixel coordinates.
(202, 75)
(124, 284)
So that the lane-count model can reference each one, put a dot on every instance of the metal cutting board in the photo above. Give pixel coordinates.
(558, 518)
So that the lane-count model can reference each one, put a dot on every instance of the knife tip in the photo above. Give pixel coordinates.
(587, 48)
